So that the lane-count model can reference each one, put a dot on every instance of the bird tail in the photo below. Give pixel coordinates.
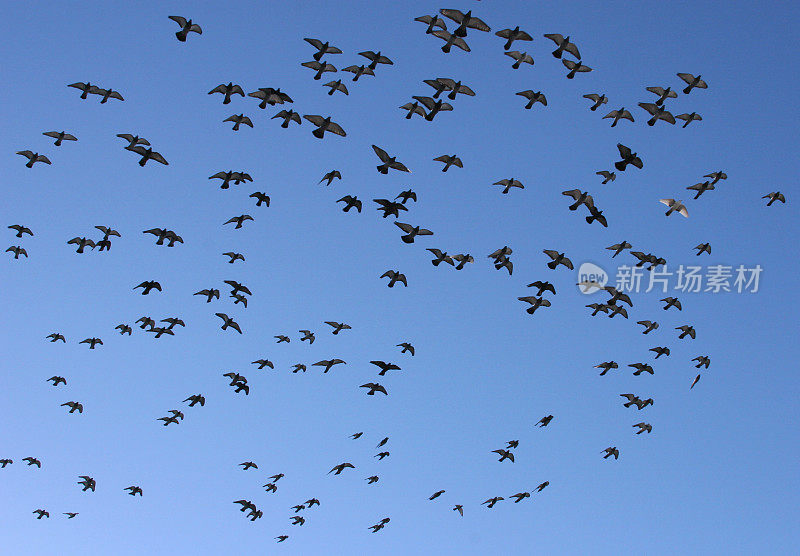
(181, 36)
(552, 265)
(687, 89)
(319, 133)
(620, 165)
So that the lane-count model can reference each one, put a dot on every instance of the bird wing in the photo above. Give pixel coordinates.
(650, 107)
(382, 154)
(178, 19)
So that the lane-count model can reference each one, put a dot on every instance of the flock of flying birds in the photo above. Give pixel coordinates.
(426, 107)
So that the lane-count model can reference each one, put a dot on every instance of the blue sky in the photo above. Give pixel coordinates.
(717, 475)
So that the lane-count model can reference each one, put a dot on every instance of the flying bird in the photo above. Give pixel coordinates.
(544, 421)
(186, 27)
(465, 21)
(209, 293)
(260, 198)
(350, 202)
(148, 285)
(675, 206)
(775, 196)
(563, 45)
(60, 136)
(374, 387)
(618, 115)
(508, 184)
(17, 250)
(33, 158)
(57, 380)
(643, 427)
(106, 94)
(533, 98)
(270, 96)
(612, 451)
(288, 116)
(557, 259)
(336, 86)
(358, 71)
(535, 303)
(238, 119)
(431, 21)
(511, 35)
(689, 118)
(574, 67)
(341, 467)
(388, 161)
(384, 367)
(692, 82)
(701, 188)
(323, 48)
(148, 154)
(658, 113)
(239, 220)
(434, 106)
(619, 248)
(319, 68)
(234, 256)
(407, 347)
(323, 125)
(598, 100)
(73, 407)
(662, 93)
(628, 157)
(328, 363)
(411, 231)
(519, 58)
(227, 91)
(228, 322)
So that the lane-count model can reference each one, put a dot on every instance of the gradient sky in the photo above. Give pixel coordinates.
(718, 474)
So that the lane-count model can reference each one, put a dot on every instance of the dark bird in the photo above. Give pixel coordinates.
(407, 347)
(617, 310)
(641, 368)
(598, 100)
(73, 406)
(32, 461)
(607, 366)
(106, 94)
(92, 342)
(336, 86)
(238, 119)
(693, 82)
(282, 338)
(134, 490)
(441, 257)
(341, 467)
(378, 526)
(164, 234)
(519, 58)
(658, 113)
(33, 158)
(512, 444)
(372, 479)
(659, 351)
(492, 501)
(389, 207)
(716, 176)
(70, 515)
(350, 202)
(330, 176)
(411, 232)
(186, 27)
(124, 329)
(597, 307)
(260, 198)
(574, 67)
(323, 48)
(449, 160)
(618, 115)
(323, 125)
(618, 248)
(703, 248)
(55, 336)
(542, 486)
(702, 360)
(17, 250)
(628, 157)
(375, 58)
(384, 366)
(459, 508)
(504, 454)
(263, 363)
(270, 96)
(282, 538)
(60, 136)
(149, 154)
(307, 335)
(535, 303)
(394, 277)
(672, 302)
(328, 363)
(508, 184)
(209, 293)
(297, 367)
(148, 285)
(228, 322)
(85, 88)
(643, 427)
(413, 108)
(288, 116)
(381, 455)
(319, 67)
(239, 220)
(595, 214)
(580, 198)
(57, 380)
(234, 257)
(512, 35)
(462, 260)
(41, 513)
(617, 295)
(544, 421)
(533, 98)
(374, 387)
(195, 399)
(612, 451)
(689, 118)
(407, 195)
(133, 140)
(695, 381)
(88, 483)
(701, 188)
(557, 259)
(247, 465)
(563, 45)
(227, 90)
(431, 21)
(388, 161)
(356, 435)
(20, 230)
(775, 196)
(358, 71)
(169, 420)
(436, 494)
(662, 93)
(465, 21)
(455, 87)
(649, 326)
(277, 477)
(434, 106)
(520, 496)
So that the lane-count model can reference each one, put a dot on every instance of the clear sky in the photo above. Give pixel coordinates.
(718, 474)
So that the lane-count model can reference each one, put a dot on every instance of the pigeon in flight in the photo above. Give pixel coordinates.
(619, 248)
(328, 363)
(227, 91)
(186, 27)
(85, 88)
(384, 367)
(686, 330)
(702, 360)
(544, 421)
(504, 454)
(465, 21)
(663, 94)
(618, 115)
(628, 157)
(341, 467)
(336, 86)
(239, 220)
(33, 158)
(641, 368)
(388, 161)
(520, 496)
(88, 483)
(319, 68)
(519, 58)
(234, 257)
(195, 399)
(124, 329)
(574, 67)
(455, 87)
(508, 184)
(775, 196)
(533, 98)
(92, 342)
(407, 347)
(55, 336)
(612, 451)
(374, 387)
(106, 94)
(41, 513)
(32, 461)
(148, 154)
(375, 58)
(449, 160)
(148, 285)
(462, 260)
(390, 208)
(441, 257)
(659, 351)
(459, 508)
(209, 293)
(411, 231)
(511, 35)
(407, 195)
(323, 48)
(413, 108)
(701, 188)
(260, 198)
(689, 118)
(228, 322)
(672, 302)
(436, 494)
(133, 140)
(57, 380)
(323, 125)
(607, 366)
(695, 381)
(563, 45)
(580, 198)
(431, 21)
(703, 248)
(133, 490)
(270, 96)
(60, 136)
(692, 82)
(263, 363)
(434, 106)
(675, 206)
(358, 71)
(288, 116)
(350, 202)
(394, 277)
(643, 427)
(238, 119)
(598, 100)
(557, 259)
(535, 303)
(73, 406)
(649, 326)
(492, 501)
(17, 250)
(658, 113)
